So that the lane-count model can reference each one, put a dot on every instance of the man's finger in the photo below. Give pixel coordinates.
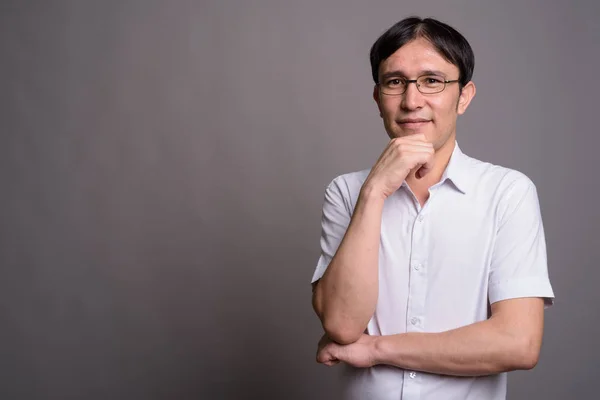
(424, 169)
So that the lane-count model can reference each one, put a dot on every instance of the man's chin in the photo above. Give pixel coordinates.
(403, 130)
(412, 128)
(409, 132)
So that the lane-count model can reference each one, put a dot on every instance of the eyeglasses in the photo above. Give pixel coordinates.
(426, 84)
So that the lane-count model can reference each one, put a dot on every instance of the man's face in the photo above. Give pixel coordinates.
(437, 112)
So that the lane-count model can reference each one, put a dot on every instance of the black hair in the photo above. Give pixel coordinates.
(448, 41)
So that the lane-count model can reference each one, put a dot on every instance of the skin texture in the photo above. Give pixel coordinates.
(346, 296)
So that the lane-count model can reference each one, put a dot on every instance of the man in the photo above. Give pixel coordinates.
(432, 279)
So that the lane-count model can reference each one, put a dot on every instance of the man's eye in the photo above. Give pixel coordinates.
(394, 82)
(433, 80)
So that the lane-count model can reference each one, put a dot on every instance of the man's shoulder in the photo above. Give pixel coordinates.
(492, 177)
(356, 178)
(350, 181)
(348, 185)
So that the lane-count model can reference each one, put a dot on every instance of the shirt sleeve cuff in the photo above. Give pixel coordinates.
(320, 270)
(522, 287)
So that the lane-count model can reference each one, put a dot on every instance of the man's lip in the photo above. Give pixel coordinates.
(412, 121)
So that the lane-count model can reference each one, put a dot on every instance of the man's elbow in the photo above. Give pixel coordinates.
(530, 358)
(527, 355)
(341, 333)
(339, 330)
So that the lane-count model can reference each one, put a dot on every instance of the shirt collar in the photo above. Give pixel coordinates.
(457, 170)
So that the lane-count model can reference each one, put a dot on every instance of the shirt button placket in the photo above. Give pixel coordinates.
(416, 297)
(417, 276)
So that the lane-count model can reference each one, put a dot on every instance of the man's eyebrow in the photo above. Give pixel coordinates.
(400, 74)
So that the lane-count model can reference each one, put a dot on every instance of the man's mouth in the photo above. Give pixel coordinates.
(413, 122)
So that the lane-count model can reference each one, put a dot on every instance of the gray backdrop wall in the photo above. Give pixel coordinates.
(162, 169)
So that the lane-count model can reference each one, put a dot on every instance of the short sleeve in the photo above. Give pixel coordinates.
(519, 263)
(334, 223)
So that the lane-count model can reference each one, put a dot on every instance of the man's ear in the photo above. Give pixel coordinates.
(377, 99)
(466, 95)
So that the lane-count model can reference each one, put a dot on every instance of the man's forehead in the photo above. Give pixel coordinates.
(415, 57)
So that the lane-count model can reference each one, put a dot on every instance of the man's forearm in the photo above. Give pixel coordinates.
(482, 348)
(346, 295)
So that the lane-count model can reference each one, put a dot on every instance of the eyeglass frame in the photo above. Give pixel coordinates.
(409, 81)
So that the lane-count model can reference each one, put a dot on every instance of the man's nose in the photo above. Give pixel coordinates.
(412, 99)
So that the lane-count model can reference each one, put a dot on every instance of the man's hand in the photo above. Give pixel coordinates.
(399, 158)
(359, 354)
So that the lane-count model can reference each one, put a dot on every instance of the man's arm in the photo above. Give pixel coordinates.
(345, 297)
(511, 339)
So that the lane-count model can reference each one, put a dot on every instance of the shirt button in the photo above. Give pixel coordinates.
(421, 217)
(414, 321)
(413, 375)
(417, 266)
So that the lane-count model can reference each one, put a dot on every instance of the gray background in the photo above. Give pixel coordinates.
(162, 169)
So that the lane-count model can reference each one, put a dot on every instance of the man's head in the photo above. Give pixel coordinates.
(433, 53)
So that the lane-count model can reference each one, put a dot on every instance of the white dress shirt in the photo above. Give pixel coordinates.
(478, 239)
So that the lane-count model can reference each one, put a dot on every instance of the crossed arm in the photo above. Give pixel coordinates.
(345, 298)
(509, 340)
